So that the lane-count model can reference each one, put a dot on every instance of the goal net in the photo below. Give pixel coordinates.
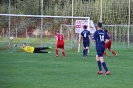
(38, 30)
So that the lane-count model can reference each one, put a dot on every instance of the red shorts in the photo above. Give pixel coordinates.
(108, 45)
(60, 45)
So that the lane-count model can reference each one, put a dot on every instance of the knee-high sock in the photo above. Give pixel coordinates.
(113, 52)
(41, 52)
(83, 52)
(99, 65)
(43, 48)
(104, 66)
(86, 52)
(56, 51)
(63, 53)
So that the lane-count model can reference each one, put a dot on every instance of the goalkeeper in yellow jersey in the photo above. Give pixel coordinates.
(32, 49)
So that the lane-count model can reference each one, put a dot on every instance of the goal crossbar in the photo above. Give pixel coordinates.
(47, 16)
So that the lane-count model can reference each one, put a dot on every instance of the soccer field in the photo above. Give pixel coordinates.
(25, 70)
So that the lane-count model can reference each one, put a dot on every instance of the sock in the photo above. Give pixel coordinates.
(86, 52)
(83, 52)
(113, 52)
(56, 51)
(63, 53)
(104, 66)
(105, 53)
(99, 65)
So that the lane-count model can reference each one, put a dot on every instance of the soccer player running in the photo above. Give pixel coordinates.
(108, 45)
(59, 44)
(85, 35)
(31, 49)
(100, 36)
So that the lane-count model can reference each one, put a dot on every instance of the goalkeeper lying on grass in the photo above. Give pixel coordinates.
(32, 49)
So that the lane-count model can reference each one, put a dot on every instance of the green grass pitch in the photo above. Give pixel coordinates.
(25, 70)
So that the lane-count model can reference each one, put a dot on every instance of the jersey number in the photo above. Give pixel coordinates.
(84, 34)
(102, 38)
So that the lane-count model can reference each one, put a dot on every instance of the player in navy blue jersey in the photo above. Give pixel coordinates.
(101, 38)
(85, 35)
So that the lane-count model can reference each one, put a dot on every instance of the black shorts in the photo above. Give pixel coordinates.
(86, 43)
(100, 53)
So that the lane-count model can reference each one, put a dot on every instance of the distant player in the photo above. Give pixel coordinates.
(59, 44)
(108, 45)
(85, 35)
(31, 49)
(99, 37)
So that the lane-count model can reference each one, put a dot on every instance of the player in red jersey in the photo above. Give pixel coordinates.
(108, 45)
(59, 44)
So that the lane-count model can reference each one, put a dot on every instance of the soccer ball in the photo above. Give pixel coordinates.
(15, 45)
(11, 38)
